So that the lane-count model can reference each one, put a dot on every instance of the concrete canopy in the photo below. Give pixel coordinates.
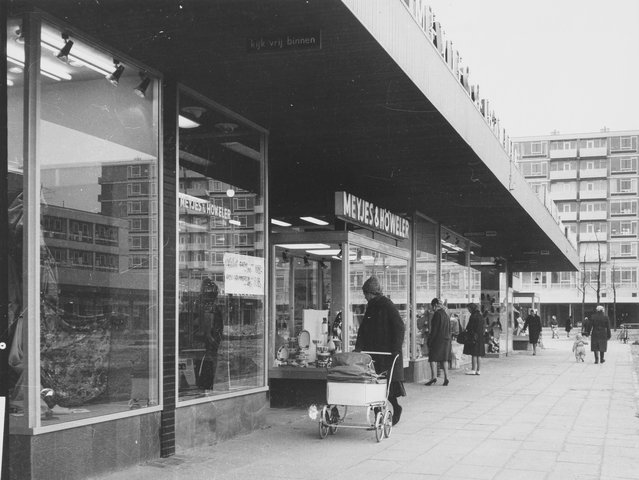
(374, 111)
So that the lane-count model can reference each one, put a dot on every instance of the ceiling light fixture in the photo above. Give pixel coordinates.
(140, 90)
(235, 222)
(314, 220)
(9, 82)
(230, 192)
(114, 77)
(280, 223)
(303, 246)
(184, 122)
(63, 54)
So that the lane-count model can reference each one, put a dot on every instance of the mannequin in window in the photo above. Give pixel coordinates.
(211, 326)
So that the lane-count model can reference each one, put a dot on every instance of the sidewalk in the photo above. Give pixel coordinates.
(525, 417)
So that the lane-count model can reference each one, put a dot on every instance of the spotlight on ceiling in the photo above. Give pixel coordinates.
(63, 54)
(140, 90)
(230, 192)
(114, 78)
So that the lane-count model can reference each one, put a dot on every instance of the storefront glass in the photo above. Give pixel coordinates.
(94, 188)
(455, 273)
(393, 275)
(426, 280)
(304, 287)
(221, 251)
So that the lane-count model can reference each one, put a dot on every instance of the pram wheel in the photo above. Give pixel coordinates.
(388, 423)
(333, 421)
(379, 426)
(324, 422)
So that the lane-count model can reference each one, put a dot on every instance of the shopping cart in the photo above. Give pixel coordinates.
(351, 382)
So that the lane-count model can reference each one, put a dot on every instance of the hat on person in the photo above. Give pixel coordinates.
(600, 308)
(372, 286)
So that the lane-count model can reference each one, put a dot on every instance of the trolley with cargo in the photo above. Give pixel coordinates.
(351, 381)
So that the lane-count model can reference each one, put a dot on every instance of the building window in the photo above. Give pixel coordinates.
(623, 207)
(623, 228)
(623, 165)
(625, 143)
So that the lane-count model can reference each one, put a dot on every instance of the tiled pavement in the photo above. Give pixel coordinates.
(526, 417)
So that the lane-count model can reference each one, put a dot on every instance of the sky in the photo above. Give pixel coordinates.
(570, 66)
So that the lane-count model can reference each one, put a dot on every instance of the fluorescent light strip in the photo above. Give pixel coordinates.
(235, 222)
(274, 221)
(314, 220)
(303, 246)
(324, 252)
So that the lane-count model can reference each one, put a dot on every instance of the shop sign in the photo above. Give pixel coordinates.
(287, 41)
(353, 209)
(243, 274)
(199, 205)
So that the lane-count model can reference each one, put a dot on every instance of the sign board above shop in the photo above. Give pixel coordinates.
(311, 40)
(352, 209)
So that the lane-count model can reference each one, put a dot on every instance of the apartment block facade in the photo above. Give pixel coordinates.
(593, 180)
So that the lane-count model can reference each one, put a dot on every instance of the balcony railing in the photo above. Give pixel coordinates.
(593, 215)
(590, 194)
(585, 152)
(593, 173)
(563, 174)
(565, 153)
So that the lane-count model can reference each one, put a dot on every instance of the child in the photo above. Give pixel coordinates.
(579, 348)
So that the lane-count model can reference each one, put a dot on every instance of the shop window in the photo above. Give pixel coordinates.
(221, 327)
(93, 361)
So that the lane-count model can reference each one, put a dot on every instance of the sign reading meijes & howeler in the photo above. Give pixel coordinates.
(285, 41)
(355, 210)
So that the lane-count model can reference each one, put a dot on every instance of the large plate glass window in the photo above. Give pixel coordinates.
(221, 251)
(393, 275)
(93, 188)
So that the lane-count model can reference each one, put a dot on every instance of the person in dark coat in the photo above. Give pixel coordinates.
(568, 326)
(211, 327)
(598, 329)
(382, 330)
(475, 328)
(533, 325)
(439, 339)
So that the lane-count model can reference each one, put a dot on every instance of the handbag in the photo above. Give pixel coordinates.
(463, 337)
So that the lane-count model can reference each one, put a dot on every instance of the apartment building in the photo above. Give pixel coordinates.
(592, 178)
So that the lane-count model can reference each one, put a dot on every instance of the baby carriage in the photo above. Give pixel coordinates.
(352, 382)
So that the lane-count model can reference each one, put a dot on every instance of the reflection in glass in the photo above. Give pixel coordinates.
(221, 253)
(425, 279)
(392, 273)
(98, 159)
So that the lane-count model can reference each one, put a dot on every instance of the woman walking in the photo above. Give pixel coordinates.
(475, 346)
(533, 325)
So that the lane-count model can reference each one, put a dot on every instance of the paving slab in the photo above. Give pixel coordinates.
(525, 417)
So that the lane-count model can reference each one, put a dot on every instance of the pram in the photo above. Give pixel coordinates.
(352, 382)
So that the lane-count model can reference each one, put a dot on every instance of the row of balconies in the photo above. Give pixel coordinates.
(583, 152)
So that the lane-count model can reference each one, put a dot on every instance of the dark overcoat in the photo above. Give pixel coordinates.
(382, 330)
(533, 325)
(599, 330)
(475, 328)
(439, 337)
